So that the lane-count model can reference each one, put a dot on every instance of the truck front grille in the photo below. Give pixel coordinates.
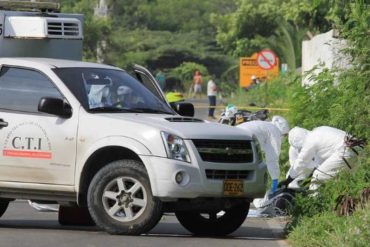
(225, 151)
(228, 174)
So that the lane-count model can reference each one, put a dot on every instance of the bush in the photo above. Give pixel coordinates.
(341, 102)
(340, 99)
(327, 229)
(185, 73)
(226, 88)
(314, 221)
(350, 183)
(273, 94)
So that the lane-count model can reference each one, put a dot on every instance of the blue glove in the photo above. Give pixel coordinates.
(274, 185)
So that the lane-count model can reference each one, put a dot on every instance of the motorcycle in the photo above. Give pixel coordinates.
(241, 116)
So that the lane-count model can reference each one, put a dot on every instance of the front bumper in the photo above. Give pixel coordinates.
(162, 173)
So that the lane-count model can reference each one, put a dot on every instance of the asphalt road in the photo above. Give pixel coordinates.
(23, 226)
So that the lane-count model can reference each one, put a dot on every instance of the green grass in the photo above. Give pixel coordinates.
(328, 229)
(314, 221)
(273, 94)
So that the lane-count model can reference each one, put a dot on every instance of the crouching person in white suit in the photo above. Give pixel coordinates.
(332, 150)
(296, 139)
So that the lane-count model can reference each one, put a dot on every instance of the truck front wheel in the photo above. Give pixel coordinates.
(213, 223)
(120, 199)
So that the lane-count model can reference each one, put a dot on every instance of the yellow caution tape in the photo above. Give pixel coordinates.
(243, 107)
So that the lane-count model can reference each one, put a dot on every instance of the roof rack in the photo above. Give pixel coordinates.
(53, 6)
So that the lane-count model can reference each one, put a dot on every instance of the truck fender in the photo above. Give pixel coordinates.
(110, 141)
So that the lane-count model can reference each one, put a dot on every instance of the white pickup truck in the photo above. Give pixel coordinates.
(90, 135)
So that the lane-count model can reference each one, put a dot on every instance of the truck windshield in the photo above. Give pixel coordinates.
(109, 90)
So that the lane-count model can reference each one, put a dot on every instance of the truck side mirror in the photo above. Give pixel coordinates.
(55, 106)
(183, 108)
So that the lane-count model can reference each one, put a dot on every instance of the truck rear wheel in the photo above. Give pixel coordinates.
(3, 206)
(120, 199)
(213, 223)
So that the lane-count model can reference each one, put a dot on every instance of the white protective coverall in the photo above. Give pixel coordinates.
(325, 145)
(269, 137)
(296, 138)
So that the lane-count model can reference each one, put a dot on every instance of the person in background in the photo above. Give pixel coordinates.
(269, 136)
(161, 79)
(197, 84)
(99, 96)
(124, 97)
(254, 80)
(212, 97)
(331, 149)
(254, 83)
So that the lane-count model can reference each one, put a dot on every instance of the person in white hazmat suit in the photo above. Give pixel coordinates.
(331, 149)
(296, 138)
(269, 136)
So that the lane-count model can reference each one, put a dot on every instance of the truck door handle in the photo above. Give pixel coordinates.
(3, 124)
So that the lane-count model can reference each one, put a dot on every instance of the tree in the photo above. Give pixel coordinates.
(94, 28)
(276, 24)
(154, 33)
(244, 31)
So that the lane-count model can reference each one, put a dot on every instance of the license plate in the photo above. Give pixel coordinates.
(233, 187)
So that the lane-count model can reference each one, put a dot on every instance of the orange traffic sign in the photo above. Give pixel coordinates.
(249, 68)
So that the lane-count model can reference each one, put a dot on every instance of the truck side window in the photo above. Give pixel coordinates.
(22, 89)
(148, 84)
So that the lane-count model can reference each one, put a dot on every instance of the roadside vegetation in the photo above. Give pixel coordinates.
(210, 35)
(213, 34)
(341, 100)
(339, 214)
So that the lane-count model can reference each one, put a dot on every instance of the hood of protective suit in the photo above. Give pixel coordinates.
(297, 137)
(281, 123)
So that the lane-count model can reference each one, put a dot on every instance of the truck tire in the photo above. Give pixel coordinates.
(211, 224)
(120, 199)
(3, 206)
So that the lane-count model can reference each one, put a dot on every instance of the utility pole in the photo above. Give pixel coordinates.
(101, 11)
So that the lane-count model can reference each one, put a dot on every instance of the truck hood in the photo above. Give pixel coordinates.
(184, 127)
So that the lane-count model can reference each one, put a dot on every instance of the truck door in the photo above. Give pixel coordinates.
(34, 147)
(149, 81)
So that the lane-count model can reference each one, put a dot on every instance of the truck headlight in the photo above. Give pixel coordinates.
(175, 147)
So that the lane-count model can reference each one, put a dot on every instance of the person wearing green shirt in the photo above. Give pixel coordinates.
(161, 79)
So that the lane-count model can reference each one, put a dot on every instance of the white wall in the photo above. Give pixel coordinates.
(323, 48)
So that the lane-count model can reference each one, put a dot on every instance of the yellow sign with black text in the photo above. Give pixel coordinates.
(249, 68)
